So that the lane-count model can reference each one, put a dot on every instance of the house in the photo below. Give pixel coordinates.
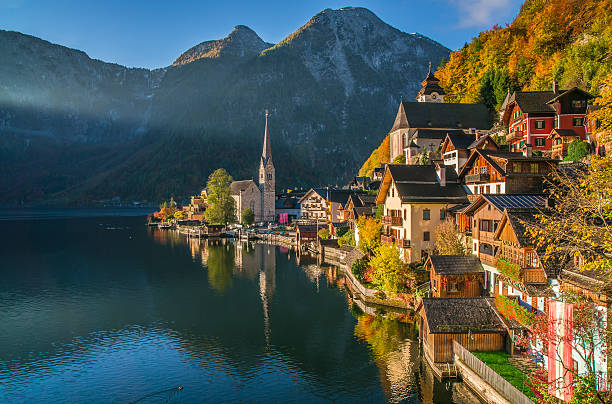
(519, 271)
(358, 205)
(471, 321)
(259, 198)
(336, 200)
(314, 205)
(306, 233)
(212, 230)
(456, 148)
(287, 208)
(415, 200)
(561, 139)
(531, 115)
(455, 276)
(379, 172)
(422, 126)
(503, 172)
(197, 206)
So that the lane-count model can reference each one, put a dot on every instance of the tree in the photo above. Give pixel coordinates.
(604, 113)
(370, 231)
(577, 150)
(390, 273)
(324, 234)
(220, 203)
(248, 217)
(348, 238)
(448, 240)
(401, 159)
(424, 158)
(178, 215)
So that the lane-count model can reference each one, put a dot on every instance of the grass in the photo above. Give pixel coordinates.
(498, 361)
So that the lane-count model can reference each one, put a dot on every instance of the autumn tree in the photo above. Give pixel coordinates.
(248, 217)
(220, 208)
(390, 273)
(448, 240)
(370, 231)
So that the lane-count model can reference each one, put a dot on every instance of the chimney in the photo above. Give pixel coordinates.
(528, 150)
(555, 85)
(442, 175)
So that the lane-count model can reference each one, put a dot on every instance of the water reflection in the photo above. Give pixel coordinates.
(97, 315)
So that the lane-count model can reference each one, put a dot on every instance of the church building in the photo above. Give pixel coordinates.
(259, 198)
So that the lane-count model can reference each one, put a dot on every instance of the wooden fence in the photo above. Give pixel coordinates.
(500, 384)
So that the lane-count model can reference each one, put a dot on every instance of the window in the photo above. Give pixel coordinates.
(426, 215)
(498, 189)
(392, 191)
(270, 176)
(442, 214)
(539, 141)
(452, 286)
(425, 236)
(487, 189)
(578, 104)
(525, 127)
(578, 121)
(516, 167)
(540, 124)
(534, 168)
(475, 247)
(435, 284)
(556, 122)
(404, 214)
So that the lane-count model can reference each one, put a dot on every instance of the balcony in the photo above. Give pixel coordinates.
(534, 276)
(516, 135)
(401, 243)
(387, 239)
(391, 220)
(477, 178)
(487, 259)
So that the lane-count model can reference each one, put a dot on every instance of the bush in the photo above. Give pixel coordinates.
(341, 231)
(324, 234)
(511, 309)
(358, 269)
(509, 269)
(347, 238)
(577, 150)
(390, 274)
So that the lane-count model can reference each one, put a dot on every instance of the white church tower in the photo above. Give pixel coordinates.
(267, 179)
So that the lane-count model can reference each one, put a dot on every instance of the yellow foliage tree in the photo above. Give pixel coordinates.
(370, 231)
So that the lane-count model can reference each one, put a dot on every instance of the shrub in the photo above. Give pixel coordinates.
(390, 274)
(347, 238)
(324, 234)
(577, 150)
(511, 309)
(508, 269)
(358, 269)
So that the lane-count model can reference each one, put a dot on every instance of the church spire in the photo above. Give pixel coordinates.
(267, 148)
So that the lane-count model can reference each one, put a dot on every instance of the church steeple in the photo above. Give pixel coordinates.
(431, 90)
(266, 154)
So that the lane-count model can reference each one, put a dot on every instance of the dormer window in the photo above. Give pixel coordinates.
(576, 104)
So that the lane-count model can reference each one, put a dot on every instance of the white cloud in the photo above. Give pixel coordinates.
(478, 13)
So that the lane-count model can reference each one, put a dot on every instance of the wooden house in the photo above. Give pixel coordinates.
(212, 230)
(520, 272)
(561, 139)
(456, 148)
(471, 321)
(356, 206)
(415, 200)
(531, 115)
(455, 276)
(306, 233)
(484, 215)
(502, 172)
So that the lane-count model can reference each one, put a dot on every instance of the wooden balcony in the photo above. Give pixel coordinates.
(487, 259)
(516, 135)
(477, 178)
(391, 220)
(534, 276)
(387, 239)
(401, 243)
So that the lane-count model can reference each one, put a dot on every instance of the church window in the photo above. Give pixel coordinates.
(269, 176)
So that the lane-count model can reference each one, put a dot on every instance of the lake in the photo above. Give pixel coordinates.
(104, 309)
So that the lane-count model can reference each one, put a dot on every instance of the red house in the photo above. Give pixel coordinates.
(531, 115)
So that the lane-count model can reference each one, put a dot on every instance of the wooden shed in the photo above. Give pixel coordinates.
(472, 321)
(212, 230)
(306, 233)
(455, 275)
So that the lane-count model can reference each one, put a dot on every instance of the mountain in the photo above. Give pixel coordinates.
(76, 129)
(568, 41)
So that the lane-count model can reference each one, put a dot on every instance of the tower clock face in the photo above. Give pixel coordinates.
(434, 95)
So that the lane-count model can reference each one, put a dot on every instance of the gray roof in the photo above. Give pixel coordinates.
(462, 315)
(564, 132)
(503, 201)
(461, 141)
(455, 264)
(442, 116)
(420, 184)
(534, 101)
(237, 186)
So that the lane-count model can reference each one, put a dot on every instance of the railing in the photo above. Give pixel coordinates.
(487, 259)
(534, 275)
(500, 384)
(402, 243)
(391, 220)
(387, 239)
(472, 178)
(516, 135)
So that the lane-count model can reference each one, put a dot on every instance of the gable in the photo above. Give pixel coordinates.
(506, 232)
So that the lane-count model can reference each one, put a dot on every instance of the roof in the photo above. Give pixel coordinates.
(318, 191)
(533, 101)
(462, 315)
(517, 218)
(461, 141)
(478, 142)
(492, 155)
(441, 116)
(416, 183)
(455, 264)
(364, 211)
(309, 228)
(266, 154)
(571, 90)
(503, 201)
(563, 132)
(238, 186)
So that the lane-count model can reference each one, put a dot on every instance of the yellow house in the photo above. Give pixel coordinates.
(415, 200)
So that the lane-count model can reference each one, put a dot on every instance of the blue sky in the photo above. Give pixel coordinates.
(153, 33)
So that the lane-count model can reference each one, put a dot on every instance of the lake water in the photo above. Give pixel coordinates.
(98, 310)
